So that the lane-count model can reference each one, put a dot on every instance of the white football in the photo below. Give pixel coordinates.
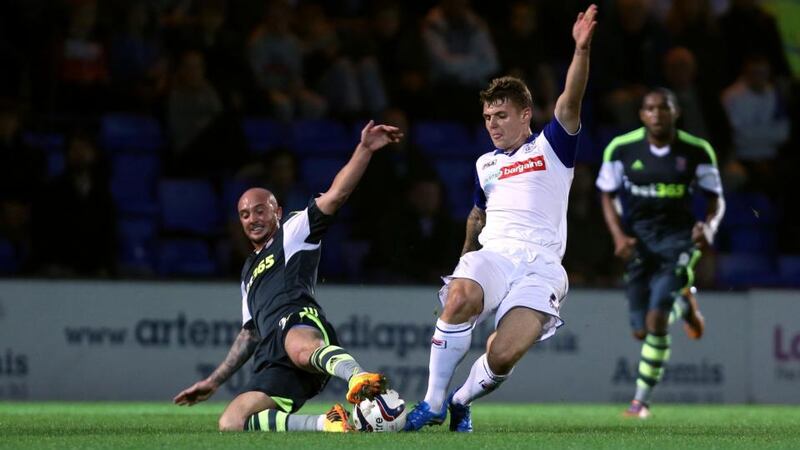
(386, 412)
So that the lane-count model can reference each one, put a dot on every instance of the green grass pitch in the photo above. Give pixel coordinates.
(161, 425)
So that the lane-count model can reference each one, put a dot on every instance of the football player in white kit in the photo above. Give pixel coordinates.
(516, 236)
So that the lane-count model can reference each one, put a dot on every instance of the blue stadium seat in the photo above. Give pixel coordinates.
(332, 263)
(191, 257)
(317, 173)
(9, 262)
(445, 139)
(130, 132)
(789, 269)
(137, 245)
(458, 177)
(263, 134)
(751, 209)
(752, 239)
(52, 144)
(189, 206)
(133, 183)
(320, 138)
(743, 270)
(232, 189)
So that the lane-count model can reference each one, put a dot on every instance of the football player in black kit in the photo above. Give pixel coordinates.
(653, 172)
(294, 348)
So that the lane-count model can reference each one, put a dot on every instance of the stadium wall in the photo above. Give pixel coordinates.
(147, 341)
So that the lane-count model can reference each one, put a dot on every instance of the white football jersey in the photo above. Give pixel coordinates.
(525, 193)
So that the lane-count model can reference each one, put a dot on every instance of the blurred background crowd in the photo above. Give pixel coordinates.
(129, 128)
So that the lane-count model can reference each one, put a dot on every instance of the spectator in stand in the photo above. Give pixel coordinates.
(393, 39)
(205, 140)
(462, 56)
(522, 52)
(749, 30)
(276, 61)
(138, 67)
(82, 62)
(701, 112)
(22, 175)
(631, 44)
(388, 176)
(691, 24)
(278, 171)
(222, 48)
(757, 113)
(350, 87)
(417, 241)
(74, 218)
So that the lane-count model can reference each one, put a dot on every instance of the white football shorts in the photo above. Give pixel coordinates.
(515, 278)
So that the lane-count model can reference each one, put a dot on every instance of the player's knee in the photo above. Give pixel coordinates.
(463, 302)
(502, 359)
(228, 422)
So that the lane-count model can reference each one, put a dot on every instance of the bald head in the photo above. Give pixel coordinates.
(256, 195)
(259, 215)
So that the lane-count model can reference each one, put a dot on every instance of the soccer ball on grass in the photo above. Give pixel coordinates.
(386, 412)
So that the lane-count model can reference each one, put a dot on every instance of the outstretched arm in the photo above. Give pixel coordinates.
(373, 137)
(240, 352)
(568, 105)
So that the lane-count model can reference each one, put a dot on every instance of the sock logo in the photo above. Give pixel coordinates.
(489, 385)
(439, 343)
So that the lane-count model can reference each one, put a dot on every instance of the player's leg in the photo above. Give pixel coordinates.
(666, 285)
(686, 306)
(529, 313)
(638, 274)
(288, 389)
(476, 287)
(311, 345)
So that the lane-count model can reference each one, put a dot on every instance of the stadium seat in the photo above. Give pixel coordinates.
(789, 270)
(133, 183)
(458, 177)
(317, 173)
(137, 245)
(332, 263)
(52, 144)
(9, 262)
(263, 134)
(190, 257)
(750, 208)
(320, 138)
(130, 132)
(445, 139)
(189, 206)
(752, 239)
(232, 189)
(742, 270)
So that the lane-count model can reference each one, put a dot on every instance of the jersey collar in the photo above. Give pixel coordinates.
(530, 139)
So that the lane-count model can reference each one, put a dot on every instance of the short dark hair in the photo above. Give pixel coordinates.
(664, 92)
(507, 88)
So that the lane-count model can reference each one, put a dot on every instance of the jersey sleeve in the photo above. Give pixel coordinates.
(707, 171)
(303, 230)
(610, 177)
(564, 144)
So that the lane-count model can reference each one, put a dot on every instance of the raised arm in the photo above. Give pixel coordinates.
(240, 352)
(373, 137)
(568, 105)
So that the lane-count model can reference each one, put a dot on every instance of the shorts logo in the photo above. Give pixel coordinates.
(520, 167)
(282, 322)
(554, 303)
(439, 343)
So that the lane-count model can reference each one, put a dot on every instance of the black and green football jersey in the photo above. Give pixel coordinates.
(655, 185)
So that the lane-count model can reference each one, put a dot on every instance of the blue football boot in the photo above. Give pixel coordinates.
(422, 415)
(460, 418)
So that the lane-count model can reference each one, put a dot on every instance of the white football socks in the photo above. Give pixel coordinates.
(480, 382)
(448, 346)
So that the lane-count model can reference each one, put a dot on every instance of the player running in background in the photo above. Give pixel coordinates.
(654, 171)
(294, 348)
(516, 235)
